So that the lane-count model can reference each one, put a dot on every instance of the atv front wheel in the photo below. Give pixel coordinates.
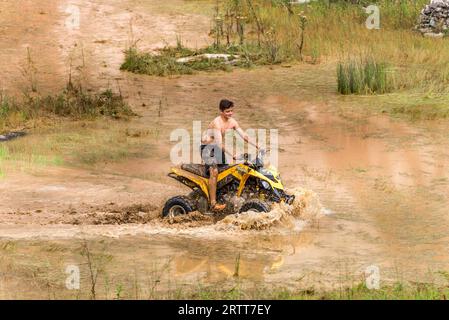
(177, 206)
(255, 205)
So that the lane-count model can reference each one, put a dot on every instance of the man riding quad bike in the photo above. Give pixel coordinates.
(244, 186)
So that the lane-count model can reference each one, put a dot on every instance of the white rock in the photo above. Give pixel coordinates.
(210, 56)
(433, 35)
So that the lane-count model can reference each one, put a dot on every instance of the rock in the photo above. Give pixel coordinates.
(425, 30)
(228, 58)
(433, 35)
(434, 19)
(11, 135)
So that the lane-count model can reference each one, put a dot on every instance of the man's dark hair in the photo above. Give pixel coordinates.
(225, 104)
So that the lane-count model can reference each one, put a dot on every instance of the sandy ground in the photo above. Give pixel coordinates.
(382, 182)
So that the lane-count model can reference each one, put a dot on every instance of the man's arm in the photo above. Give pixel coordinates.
(244, 135)
(209, 134)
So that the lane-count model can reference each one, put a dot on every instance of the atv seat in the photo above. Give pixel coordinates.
(200, 169)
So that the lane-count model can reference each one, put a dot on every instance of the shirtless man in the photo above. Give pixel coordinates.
(213, 149)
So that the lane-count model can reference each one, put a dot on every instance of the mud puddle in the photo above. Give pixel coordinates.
(115, 220)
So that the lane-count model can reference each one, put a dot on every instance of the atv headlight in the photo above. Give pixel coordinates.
(265, 185)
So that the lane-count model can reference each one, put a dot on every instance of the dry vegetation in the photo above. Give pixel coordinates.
(393, 59)
(39, 270)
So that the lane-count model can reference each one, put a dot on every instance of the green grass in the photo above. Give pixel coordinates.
(91, 156)
(363, 77)
(73, 103)
(85, 144)
(151, 64)
(273, 32)
(163, 63)
(396, 291)
(421, 112)
(68, 146)
(416, 106)
(10, 154)
(3, 153)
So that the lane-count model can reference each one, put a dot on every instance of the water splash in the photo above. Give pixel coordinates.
(306, 207)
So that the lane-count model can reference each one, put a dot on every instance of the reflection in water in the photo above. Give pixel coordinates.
(253, 259)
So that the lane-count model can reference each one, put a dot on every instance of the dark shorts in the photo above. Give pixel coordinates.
(210, 154)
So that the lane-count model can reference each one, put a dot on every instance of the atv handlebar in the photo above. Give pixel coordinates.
(246, 158)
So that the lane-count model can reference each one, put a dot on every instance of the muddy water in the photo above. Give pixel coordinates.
(385, 184)
(382, 182)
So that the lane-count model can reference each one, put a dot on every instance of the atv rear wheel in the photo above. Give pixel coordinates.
(255, 205)
(177, 206)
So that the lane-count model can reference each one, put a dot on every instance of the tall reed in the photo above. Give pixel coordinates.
(356, 76)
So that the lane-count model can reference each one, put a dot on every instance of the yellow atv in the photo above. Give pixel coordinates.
(244, 186)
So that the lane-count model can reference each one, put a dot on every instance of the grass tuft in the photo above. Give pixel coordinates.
(367, 77)
(73, 103)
